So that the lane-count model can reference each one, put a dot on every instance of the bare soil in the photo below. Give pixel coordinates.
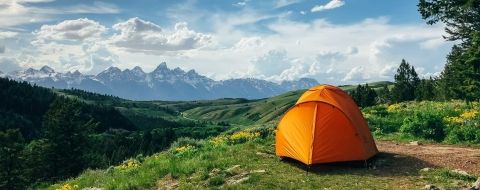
(433, 155)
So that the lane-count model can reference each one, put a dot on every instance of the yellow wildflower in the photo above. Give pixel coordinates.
(128, 164)
(183, 149)
(67, 187)
(393, 107)
(469, 114)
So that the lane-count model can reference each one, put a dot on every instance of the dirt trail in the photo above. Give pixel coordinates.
(452, 157)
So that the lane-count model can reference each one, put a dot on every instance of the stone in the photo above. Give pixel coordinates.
(233, 169)
(425, 169)
(431, 187)
(265, 155)
(415, 143)
(167, 183)
(258, 171)
(239, 178)
(215, 171)
(461, 172)
(476, 185)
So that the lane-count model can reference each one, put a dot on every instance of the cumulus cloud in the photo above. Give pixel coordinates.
(356, 74)
(76, 30)
(248, 43)
(137, 35)
(333, 4)
(274, 62)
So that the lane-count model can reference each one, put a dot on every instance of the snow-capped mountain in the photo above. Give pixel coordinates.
(160, 84)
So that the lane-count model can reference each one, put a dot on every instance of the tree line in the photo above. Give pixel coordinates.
(45, 137)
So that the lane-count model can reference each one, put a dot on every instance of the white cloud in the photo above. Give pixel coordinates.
(97, 7)
(284, 3)
(76, 30)
(356, 74)
(333, 4)
(248, 43)
(7, 34)
(137, 35)
(18, 12)
(9, 64)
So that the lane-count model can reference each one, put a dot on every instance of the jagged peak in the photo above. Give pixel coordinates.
(47, 69)
(162, 66)
(192, 71)
(137, 69)
(77, 72)
(112, 69)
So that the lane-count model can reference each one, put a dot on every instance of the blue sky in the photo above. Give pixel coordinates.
(333, 41)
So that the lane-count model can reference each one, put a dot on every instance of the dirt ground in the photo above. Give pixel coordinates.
(433, 155)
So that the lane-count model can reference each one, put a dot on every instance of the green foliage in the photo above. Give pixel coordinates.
(462, 17)
(425, 90)
(406, 81)
(364, 96)
(11, 159)
(216, 181)
(461, 77)
(450, 122)
(469, 134)
(426, 125)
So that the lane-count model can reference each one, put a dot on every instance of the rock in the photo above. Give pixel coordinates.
(431, 187)
(425, 169)
(232, 168)
(476, 185)
(258, 171)
(265, 155)
(238, 178)
(415, 143)
(461, 172)
(215, 171)
(167, 183)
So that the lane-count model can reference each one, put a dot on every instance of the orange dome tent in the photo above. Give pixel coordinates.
(325, 125)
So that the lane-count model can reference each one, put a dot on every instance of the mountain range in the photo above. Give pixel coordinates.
(162, 83)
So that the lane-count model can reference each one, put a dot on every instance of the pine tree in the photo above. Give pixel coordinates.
(11, 160)
(461, 76)
(425, 90)
(406, 81)
(66, 126)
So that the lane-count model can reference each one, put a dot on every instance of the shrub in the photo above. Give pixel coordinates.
(216, 181)
(425, 125)
(185, 141)
(469, 134)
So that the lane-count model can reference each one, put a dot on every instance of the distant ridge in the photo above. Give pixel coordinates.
(162, 83)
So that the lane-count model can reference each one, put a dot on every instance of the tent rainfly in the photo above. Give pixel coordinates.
(325, 125)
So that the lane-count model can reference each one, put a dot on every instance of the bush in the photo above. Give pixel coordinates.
(216, 181)
(459, 134)
(426, 125)
(186, 141)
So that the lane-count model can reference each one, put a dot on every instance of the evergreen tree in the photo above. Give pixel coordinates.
(461, 76)
(384, 96)
(66, 126)
(406, 81)
(364, 96)
(11, 167)
(425, 90)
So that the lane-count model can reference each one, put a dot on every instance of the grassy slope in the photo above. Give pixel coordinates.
(255, 111)
(196, 170)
